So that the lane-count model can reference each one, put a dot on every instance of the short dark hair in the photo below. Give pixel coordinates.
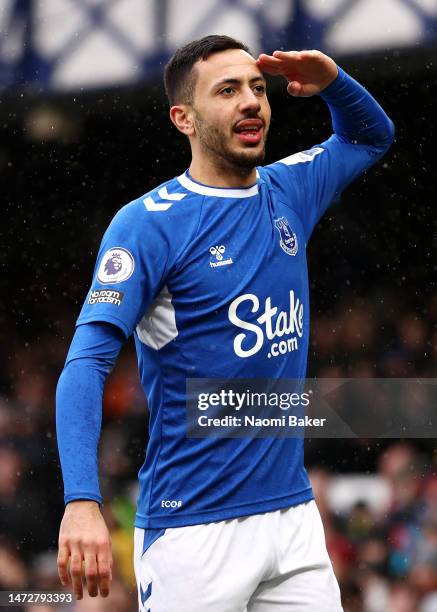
(179, 76)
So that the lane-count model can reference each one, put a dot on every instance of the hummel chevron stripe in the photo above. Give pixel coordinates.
(153, 206)
(163, 193)
(145, 594)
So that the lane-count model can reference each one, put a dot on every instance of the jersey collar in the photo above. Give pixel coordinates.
(219, 192)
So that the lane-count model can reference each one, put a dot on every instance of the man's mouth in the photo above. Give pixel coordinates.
(249, 131)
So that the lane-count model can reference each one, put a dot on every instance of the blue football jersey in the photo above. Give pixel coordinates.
(213, 283)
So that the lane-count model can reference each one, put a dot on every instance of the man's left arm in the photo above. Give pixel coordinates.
(362, 132)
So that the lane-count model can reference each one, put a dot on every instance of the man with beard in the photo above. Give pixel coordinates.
(213, 283)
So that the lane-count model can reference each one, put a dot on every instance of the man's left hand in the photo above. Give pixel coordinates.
(307, 72)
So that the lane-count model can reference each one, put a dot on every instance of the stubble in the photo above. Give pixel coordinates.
(214, 143)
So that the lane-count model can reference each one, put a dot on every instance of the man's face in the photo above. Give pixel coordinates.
(231, 110)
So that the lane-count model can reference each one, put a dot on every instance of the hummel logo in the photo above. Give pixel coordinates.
(218, 251)
(153, 206)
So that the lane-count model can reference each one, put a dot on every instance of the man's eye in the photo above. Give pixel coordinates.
(227, 90)
(260, 89)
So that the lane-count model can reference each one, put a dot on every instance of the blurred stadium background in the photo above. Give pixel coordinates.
(84, 129)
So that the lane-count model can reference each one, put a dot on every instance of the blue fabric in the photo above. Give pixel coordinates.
(362, 134)
(213, 283)
(92, 354)
(145, 594)
(150, 537)
(356, 116)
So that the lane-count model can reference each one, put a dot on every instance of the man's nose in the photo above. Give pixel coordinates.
(249, 101)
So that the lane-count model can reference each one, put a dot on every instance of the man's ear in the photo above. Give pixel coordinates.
(181, 117)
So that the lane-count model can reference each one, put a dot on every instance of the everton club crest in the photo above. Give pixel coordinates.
(288, 240)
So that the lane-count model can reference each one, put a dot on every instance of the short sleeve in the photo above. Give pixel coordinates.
(131, 267)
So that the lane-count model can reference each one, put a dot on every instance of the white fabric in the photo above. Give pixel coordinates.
(158, 326)
(219, 192)
(302, 157)
(272, 562)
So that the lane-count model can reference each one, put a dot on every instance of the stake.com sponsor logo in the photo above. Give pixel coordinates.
(288, 323)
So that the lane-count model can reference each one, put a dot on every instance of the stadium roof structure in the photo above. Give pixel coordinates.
(72, 45)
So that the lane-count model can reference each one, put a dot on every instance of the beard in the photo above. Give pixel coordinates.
(215, 143)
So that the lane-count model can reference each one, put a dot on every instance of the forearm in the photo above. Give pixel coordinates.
(78, 422)
(79, 407)
(356, 116)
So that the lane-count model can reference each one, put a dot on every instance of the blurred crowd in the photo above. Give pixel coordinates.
(382, 537)
(380, 336)
(384, 551)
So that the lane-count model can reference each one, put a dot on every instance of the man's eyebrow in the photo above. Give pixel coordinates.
(234, 81)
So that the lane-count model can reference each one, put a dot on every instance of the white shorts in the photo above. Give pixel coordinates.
(272, 562)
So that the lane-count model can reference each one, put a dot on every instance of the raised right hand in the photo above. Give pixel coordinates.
(85, 549)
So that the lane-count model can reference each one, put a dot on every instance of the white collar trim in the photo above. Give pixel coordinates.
(219, 192)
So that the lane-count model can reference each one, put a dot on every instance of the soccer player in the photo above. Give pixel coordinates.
(209, 273)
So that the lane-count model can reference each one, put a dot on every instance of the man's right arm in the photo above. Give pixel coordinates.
(140, 248)
(84, 540)
(130, 264)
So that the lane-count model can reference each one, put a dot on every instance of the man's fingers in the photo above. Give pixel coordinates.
(63, 556)
(104, 560)
(91, 573)
(270, 67)
(264, 57)
(284, 65)
(269, 60)
(294, 88)
(76, 573)
(97, 569)
(287, 54)
(313, 54)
